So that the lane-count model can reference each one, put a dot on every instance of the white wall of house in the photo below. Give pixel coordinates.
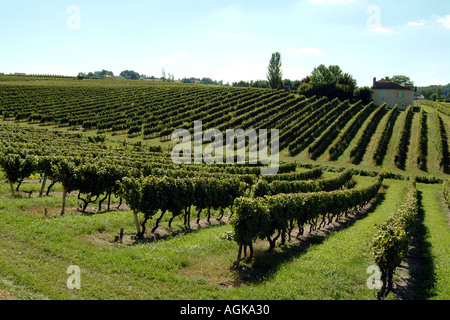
(402, 98)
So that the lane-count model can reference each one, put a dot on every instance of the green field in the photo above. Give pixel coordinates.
(329, 264)
(62, 118)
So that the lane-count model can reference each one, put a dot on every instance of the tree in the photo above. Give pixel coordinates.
(17, 167)
(275, 74)
(291, 85)
(330, 81)
(81, 76)
(65, 171)
(129, 74)
(364, 94)
(103, 73)
(439, 93)
(427, 93)
(326, 75)
(345, 86)
(402, 80)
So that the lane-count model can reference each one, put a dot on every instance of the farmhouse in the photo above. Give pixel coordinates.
(392, 94)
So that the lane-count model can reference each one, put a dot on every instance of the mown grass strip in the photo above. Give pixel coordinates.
(438, 236)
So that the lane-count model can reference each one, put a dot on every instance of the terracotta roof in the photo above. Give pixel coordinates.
(385, 84)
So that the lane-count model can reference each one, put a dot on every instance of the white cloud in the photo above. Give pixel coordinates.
(445, 21)
(416, 24)
(305, 51)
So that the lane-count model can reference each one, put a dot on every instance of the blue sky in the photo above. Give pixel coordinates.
(228, 40)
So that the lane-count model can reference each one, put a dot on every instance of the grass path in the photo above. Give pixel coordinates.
(411, 159)
(388, 161)
(437, 226)
(432, 162)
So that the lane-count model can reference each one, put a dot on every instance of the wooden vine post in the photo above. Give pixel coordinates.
(136, 220)
(12, 187)
(63, 208)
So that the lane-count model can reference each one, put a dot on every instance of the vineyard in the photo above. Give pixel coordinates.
(88, 180)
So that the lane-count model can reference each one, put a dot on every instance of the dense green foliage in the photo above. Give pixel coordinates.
(152, 194)
(329, 135)
(391, 243)
(278, 213)
(262, 187)
(347, 134)
(275, 75)
(403, 144)
(443, 107)
(442, 144)
(315, 127)
(430, 90)
(154, 110)
(358, 151)
(90, 169)
(93, 170)
(331, 82)
(422, 145)
(383, 141)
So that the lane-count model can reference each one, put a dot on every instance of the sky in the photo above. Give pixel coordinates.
(228, 40)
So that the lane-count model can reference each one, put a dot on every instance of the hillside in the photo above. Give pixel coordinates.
(87, 180)
(310, 129)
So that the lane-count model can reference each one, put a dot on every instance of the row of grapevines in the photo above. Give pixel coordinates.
(442, 107)
(27, 141)
(263, 188)
(274, 216)
(292, 127)
(390, 244)
(148, 110)
(357, 153)
(285, 113)
(272, 118)
(314, 124)
(422, 145)
(348, 134)
(315, 130)
(326, 138)
(150, 195)
(442, 143)
(402, 148)
(385, 137)
(314, 173)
